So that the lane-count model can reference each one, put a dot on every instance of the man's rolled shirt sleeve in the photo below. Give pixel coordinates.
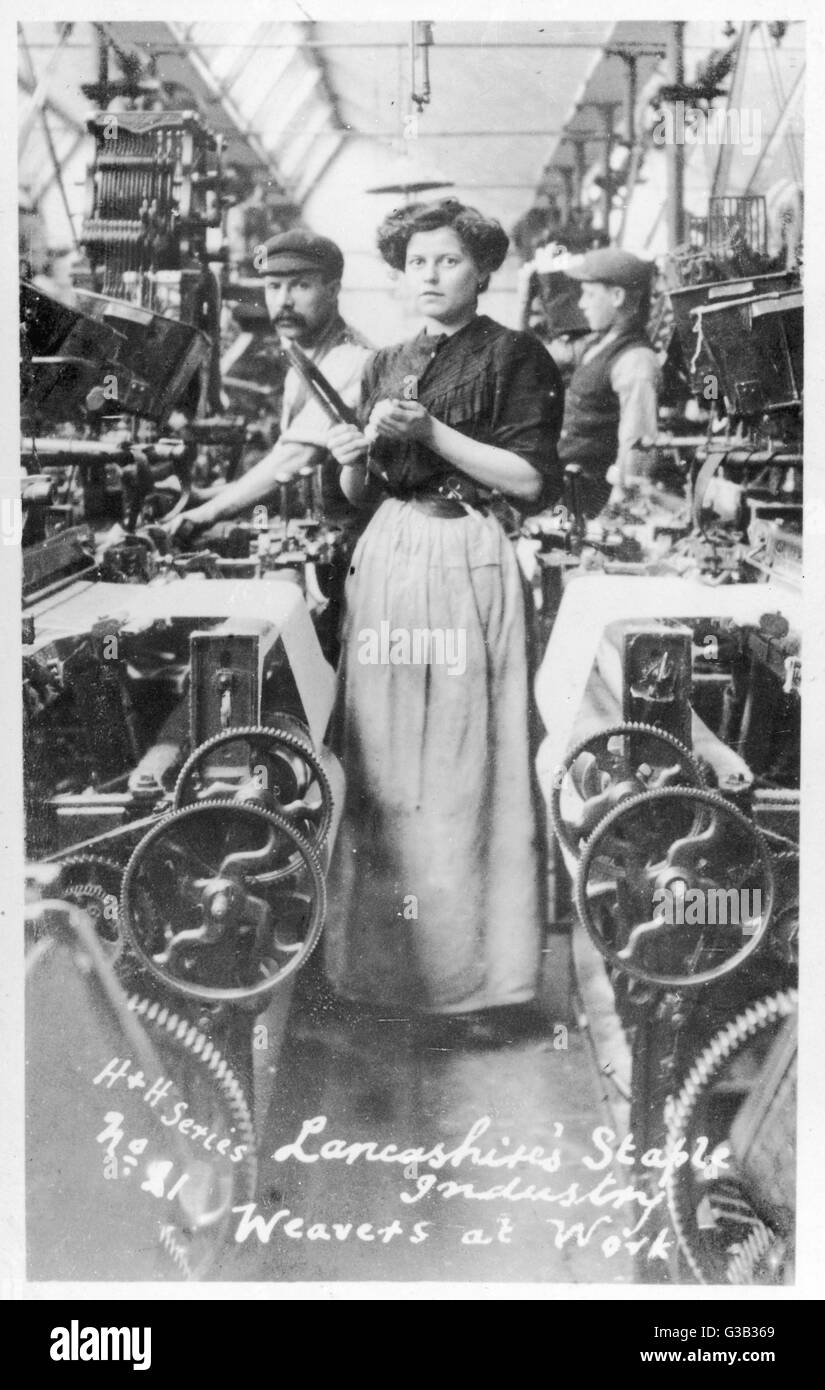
(635, 378)
(343, 367)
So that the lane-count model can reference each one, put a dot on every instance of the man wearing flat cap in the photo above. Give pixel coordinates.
(610, 419)
(302, 280)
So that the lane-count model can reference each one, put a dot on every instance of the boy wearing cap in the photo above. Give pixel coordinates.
(302, 280)
(610, 414)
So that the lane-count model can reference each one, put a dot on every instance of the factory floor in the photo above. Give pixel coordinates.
(389, 1082)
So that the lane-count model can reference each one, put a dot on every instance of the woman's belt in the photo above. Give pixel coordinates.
(449, 498)
(435, 505)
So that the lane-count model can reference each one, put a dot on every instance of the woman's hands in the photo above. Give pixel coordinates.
(390, 419)
(400, 420)
(394, 419)
(347, 444)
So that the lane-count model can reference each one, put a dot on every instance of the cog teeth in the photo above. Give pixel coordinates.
(566, 834)
(301, 856)
(182, 1031)
(661, 798)
(722, 1046)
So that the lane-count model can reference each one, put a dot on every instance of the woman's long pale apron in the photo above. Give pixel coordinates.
(434, 893)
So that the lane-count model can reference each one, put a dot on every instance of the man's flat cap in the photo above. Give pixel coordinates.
(610, 266)
(297, 250)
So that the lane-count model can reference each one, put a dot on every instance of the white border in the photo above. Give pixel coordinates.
(811, 1203)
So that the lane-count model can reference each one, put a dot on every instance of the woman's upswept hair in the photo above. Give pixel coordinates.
(482, 237)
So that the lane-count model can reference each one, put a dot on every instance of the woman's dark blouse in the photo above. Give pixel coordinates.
(490, 383)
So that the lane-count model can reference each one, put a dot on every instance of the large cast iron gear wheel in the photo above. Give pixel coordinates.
(195, 1226)
(784, 938)
(276, 769)
(209, 908)
(93, 883)
(720, 1235)
(608, 767)
(662, 847)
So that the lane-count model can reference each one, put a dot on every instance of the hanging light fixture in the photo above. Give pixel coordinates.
(421, 37)
(408, 174)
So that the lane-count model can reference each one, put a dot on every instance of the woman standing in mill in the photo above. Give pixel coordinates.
(436, 893)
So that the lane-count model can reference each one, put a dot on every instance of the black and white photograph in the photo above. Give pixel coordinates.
(409, 526)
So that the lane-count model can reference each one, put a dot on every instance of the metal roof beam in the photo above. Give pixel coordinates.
(233, 72)
(250, 134)
(313, 173)
(364, 44)
(278, 70)
(304, 89)
(474, 134)
(57, 167)
(70, 121)
(41, 91)
(299, 148)
(46, 183)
